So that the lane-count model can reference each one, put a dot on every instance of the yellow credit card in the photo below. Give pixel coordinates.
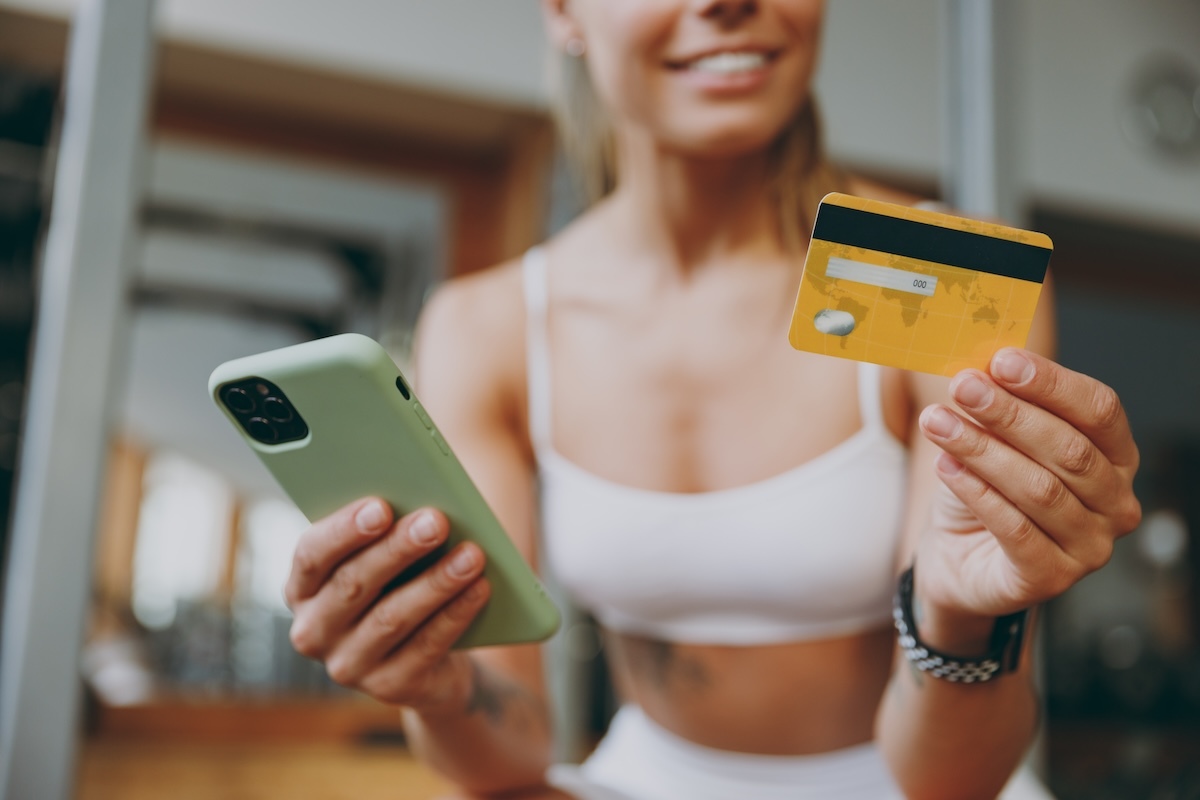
(915, 289)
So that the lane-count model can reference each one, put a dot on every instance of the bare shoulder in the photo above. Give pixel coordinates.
(489, 300)
(470, 339)
(486, 309)
(470, 335)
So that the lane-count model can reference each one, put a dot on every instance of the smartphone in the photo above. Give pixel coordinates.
(334, 420)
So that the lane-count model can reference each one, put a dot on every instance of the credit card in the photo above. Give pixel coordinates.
(914, 288)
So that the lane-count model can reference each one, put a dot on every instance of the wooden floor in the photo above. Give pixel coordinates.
(148, 770)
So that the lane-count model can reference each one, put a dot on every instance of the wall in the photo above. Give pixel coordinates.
(472, 47)
(880, 78)
(881, 87)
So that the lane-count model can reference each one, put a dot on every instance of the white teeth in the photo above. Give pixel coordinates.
(729, 63)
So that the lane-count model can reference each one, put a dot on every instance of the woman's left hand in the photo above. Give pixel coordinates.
(1042, 465)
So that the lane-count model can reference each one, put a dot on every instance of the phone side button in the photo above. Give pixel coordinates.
(441, 443)
(423, 416)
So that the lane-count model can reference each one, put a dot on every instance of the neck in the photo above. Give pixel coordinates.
(694, 212)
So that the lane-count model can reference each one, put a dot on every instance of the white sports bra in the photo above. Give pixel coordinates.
(806, 554)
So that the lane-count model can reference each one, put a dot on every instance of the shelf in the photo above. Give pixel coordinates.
(151, 770)
(343, 719)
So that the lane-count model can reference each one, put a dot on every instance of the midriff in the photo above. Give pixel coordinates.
(781, 699)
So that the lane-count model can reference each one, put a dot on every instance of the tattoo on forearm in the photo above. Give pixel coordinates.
(502, 701)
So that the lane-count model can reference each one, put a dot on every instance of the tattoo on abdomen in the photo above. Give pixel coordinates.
(661, 663)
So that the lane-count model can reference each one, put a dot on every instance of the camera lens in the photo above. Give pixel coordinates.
(262, 430)
(239, 400)
(278, 410)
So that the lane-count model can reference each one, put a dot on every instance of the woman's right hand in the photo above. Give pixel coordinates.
(394, 647)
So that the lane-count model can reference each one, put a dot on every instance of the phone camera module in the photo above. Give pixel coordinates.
(263, 411)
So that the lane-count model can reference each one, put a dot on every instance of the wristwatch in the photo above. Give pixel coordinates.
(1004, 647)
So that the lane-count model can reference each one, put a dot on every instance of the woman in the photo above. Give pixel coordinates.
(733, 511)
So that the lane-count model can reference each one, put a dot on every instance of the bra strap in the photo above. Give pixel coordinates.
(870, 395)
(537, 349)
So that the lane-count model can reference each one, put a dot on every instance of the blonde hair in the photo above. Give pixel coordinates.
(803, 173)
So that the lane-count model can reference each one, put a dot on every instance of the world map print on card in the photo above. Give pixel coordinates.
(915, 289)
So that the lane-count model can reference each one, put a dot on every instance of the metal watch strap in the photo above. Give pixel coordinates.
(1004, 647)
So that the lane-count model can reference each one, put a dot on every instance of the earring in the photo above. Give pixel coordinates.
(576, 47)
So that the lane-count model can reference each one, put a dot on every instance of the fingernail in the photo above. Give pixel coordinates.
(1012, 367)
(940, 422)
(370, 518)
(971, 392)
(424, 529)
(463, 562)
(948, 464)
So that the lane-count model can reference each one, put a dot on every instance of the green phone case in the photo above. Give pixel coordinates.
(366, 437)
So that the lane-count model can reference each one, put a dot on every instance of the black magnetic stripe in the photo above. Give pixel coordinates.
(926, 242)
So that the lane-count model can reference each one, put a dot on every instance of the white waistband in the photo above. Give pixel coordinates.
(639, 760)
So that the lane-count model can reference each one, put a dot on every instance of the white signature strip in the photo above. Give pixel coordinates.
(888, 278)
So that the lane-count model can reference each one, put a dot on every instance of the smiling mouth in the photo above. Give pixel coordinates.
(726, 63)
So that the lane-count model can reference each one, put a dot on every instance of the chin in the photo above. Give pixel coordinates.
(729, 140)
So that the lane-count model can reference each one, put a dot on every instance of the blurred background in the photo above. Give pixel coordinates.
(309, 168)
